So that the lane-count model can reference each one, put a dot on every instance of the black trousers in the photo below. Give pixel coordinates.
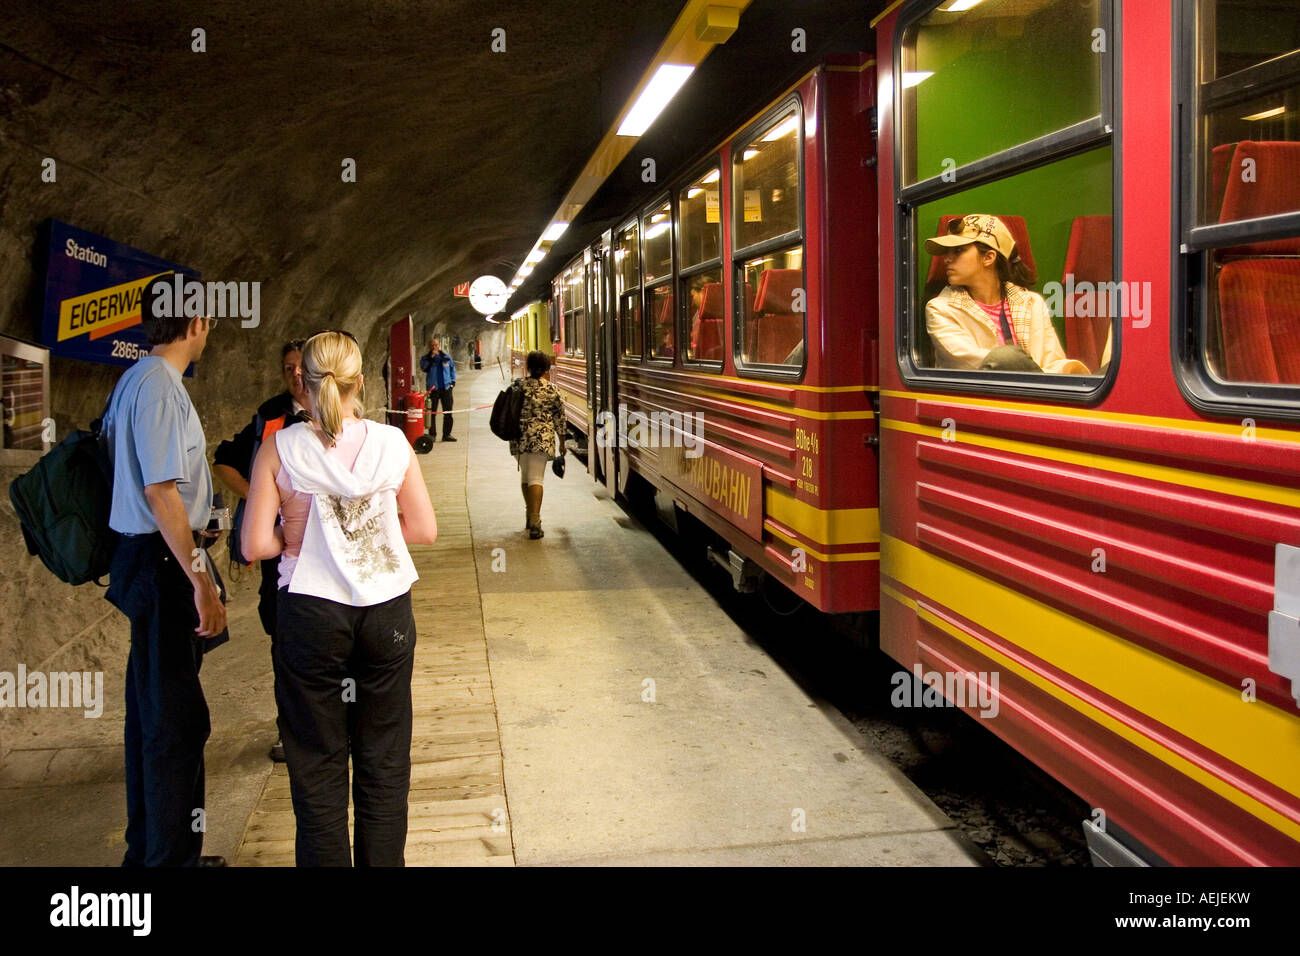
(167, 721)
(442, 396)
(266, 594)
(343, 683)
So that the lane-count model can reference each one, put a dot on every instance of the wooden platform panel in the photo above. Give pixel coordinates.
(457, 812)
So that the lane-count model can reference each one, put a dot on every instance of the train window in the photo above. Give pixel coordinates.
(1241, 217)
(699, 222)
(699, 233)
(660, 315)
(980, 79)
(575, 312)
(1012, 278)
(772, 319)
(658, 226)
(705, 311)
(766, 176)
(661, 318)
(771, 301)
(627, 277)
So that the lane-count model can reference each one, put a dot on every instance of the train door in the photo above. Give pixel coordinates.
(602, 352)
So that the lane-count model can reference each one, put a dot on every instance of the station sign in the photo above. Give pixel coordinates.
(93, 287)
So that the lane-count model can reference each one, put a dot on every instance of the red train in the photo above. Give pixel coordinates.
(1113, 546)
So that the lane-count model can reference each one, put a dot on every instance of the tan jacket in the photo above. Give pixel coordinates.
(963, 333)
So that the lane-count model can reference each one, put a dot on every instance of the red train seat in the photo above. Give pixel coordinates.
(778, 327)
(706, 326)
(937, 278)
(1089, 259)
(1274, 188)
(1220, 160)
(1259, 307)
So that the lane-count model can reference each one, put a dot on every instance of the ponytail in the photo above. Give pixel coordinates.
(331, 370)
(329, 407)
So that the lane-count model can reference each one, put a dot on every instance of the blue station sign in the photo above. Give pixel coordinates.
(93, 287)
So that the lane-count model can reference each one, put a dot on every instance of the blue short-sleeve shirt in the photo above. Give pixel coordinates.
(154, 435)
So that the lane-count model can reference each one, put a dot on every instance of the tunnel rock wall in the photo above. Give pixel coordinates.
(231, 160)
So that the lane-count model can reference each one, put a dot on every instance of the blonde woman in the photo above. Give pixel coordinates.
(350, 497)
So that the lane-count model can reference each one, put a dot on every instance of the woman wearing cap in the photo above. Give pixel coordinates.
(350, 496)
(985, 318)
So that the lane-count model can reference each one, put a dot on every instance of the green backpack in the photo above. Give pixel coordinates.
(63, 505)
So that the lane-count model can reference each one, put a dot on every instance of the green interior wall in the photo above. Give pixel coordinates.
(999, 80)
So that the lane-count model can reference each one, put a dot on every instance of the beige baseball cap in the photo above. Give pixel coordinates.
(979, 227)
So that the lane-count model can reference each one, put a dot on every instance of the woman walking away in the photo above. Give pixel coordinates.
(350, 497)
(541, 424)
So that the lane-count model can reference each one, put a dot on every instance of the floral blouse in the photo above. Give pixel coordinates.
(541, 418)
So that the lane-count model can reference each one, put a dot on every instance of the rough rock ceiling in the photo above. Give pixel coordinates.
(229, 160)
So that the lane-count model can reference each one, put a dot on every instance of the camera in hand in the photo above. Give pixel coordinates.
(219, 520)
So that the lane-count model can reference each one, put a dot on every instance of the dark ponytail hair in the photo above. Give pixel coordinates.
(1017, 271)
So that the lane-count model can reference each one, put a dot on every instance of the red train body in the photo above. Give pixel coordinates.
(1109, 547)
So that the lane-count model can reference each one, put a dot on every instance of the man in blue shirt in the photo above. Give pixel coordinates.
(162, 581)
(439, 379)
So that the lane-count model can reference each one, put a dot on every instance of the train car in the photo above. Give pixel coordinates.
(1111, 546)
(571, 321)
(529, 332)
(719, 343)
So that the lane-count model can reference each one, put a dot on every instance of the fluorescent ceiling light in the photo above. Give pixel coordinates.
(659, 217)
(525, 271)
(537, 255)
(554, 231)
(961, 6)
(1276, 111)
(750, 154)
(713, 176)
(782, 129)
(916, 79)
(658, 230)
(663, 86)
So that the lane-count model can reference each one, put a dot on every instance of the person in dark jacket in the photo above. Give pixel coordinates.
(439, 378)
(233, 463)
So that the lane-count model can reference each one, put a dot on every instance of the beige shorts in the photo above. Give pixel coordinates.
(532, 467)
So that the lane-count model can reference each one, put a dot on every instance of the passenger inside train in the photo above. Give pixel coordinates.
(985, 317)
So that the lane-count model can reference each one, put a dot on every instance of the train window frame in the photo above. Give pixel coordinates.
(638, 357)
(1093, 133)
(577, 348)
(736, 255)
(648, 286)
(1193, 243)
(685, 273)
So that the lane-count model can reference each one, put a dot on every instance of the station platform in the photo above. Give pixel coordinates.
(579, 699)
